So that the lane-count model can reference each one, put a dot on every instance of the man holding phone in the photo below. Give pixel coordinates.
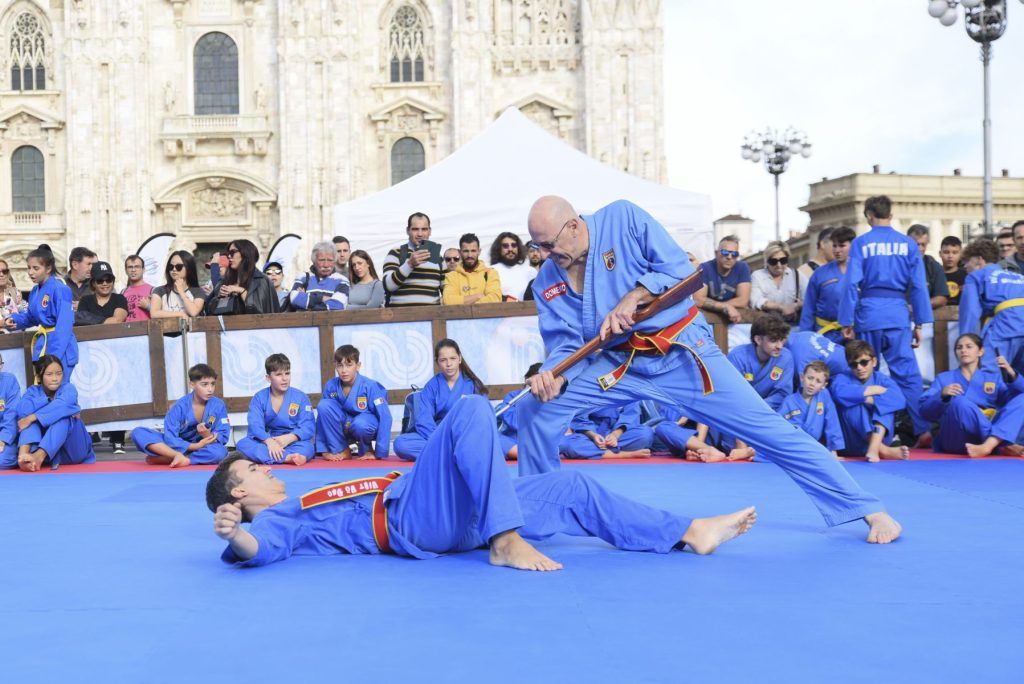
(413, 274)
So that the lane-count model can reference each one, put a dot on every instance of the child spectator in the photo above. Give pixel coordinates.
(352, 408)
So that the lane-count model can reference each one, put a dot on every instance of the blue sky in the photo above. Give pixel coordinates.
(869, 81)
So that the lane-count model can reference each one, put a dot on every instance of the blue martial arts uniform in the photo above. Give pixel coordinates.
(857, 417)
(56, 430)
(456, 498)
(883, 264)
(669, 435)
(294, 417)
(820, 312)
(180, 431)
(807, 346)
(49, 307)
(432, 405)
(635, 435)
(10, 393)
(985, 290)
(773, 381)
(988, 407)
(508, 423)
(818, 418)
(363, 417)
(628, 247)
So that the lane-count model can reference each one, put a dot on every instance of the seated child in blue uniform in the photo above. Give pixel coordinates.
(458, 497)
(454, 381)
(674, 432)
(867, 401)
(767, 365)
(508, 422)
(352, 408)
(196, 429)
(10, 393)
(609, 432)
(812, 409)
(51, 429)
(979, 410)
(280, 422)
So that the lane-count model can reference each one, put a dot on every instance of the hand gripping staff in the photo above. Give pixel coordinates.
(675, 294)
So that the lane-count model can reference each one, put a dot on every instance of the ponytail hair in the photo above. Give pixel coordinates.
(44, 255)
(464, 368)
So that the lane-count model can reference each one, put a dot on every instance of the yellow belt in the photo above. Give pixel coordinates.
(42, 331)
(826, 326)
(1008, 304)
(990, 413)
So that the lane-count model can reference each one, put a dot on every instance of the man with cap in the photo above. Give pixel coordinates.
(102, 305)
(274, 271)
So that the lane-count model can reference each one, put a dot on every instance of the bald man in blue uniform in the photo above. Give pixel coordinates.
(599, 269)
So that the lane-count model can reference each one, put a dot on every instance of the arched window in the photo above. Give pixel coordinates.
(216, 74)
(406, 159)
(28, 48)
(28, 192)
(406, 49)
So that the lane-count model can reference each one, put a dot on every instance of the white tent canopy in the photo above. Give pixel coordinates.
(487, 186)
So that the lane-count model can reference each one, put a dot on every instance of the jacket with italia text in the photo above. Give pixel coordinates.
(773, 379)
(882, 265)
(627, 248)
(180, 423)
(365, 396)
(807, 346)
(49, 305)
(984, 290)
(48, 411)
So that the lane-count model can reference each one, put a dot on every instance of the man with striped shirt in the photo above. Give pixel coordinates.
(320, 288)
(412, 272)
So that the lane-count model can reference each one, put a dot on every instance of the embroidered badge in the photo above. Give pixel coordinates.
(293, 409)
(211, 420)
(990, 388)
(46, 300)
(609, 259)
(3, 404)
(222, 420)
(555, 290)
(378, 401)
(334, 395)
(776, 373)
(361, 403)
(821, 408)
(794, 412)
(749, 377)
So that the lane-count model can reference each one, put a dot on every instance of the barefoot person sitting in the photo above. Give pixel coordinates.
(609, 432)
(977, 411)
(458, 497)
(867, 401)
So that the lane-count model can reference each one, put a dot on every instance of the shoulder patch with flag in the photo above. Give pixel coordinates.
(378, 401)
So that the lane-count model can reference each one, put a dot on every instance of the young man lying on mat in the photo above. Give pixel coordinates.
(458, 497)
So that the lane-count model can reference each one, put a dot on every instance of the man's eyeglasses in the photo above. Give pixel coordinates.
(550, 245)
(451, 259)
(781, 260)
(175, 267)
(4, 271)
(861, 363)
(729, 253)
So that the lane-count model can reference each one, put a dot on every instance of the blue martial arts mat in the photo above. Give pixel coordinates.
(115, 577)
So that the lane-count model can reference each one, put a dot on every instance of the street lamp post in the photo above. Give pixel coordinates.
(985, 21)
(776, 150)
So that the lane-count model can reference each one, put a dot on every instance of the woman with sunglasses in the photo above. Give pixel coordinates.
(102, 305)
(776, 287)
(10, 297)
(180, 296)
(978, 409)
(244, 289)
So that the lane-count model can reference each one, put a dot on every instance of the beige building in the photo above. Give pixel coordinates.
(221, 119)
(735, 224)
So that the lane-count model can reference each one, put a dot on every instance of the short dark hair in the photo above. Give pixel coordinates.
(818, 367)
(469, 239)
(729, 238)
(79, 253)
(1015, 226)
(1005, 233)
(879, 206)
(346, 352)
(918, 229)
(277, 362)
(843, 234)
(982, 247)
(825, 235)
(338, 239)
(858, 348)
(769, 325)
(950, 241)
(220, 484)
(133, 257)
(416, 214)
(201, 371)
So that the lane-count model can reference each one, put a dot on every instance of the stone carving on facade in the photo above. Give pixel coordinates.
(530, 35)
(216, 201)
(406, 117)
(259, 98)
(169, 97)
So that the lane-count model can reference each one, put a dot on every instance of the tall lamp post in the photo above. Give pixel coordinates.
(776, 150)
(985, 21)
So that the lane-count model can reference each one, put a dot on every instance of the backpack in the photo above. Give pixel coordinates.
(409, 410)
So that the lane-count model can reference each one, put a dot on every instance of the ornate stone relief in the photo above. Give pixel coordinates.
(530, 35)
(216, 202)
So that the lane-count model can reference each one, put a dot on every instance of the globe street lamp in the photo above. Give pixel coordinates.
(985, 21)
(776, 150)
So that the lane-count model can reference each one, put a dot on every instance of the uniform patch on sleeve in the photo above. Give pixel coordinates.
(609, 259)
(821, 408)
(555, 290)
(749, 377)
(224, 421)
(990, 388)
(309, 407)
(293, 409)
(46, 300)
(361, 403)
(794, 412)
(378, 401)
(776, 373)
(3, 404)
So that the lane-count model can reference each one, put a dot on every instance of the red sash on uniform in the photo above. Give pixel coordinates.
(653, 344)
(353, 488)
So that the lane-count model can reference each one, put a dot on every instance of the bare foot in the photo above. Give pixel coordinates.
(707, 454)
(871, 456)
(636, 453)
(180, 461)
(741, 454)
(367, 457)
(158, 460)
(883, 528)
(295, 459)
(513, 453)
(704, 535)
(924, 441)
(342, 455)
(891, 453)
(510, 550)
(31, 462)
(1013, 449)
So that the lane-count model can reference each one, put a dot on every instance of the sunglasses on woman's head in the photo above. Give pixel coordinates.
(861, 363)
(781, 260)
(175, 267)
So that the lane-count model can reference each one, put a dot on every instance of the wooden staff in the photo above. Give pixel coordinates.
(675, 294)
